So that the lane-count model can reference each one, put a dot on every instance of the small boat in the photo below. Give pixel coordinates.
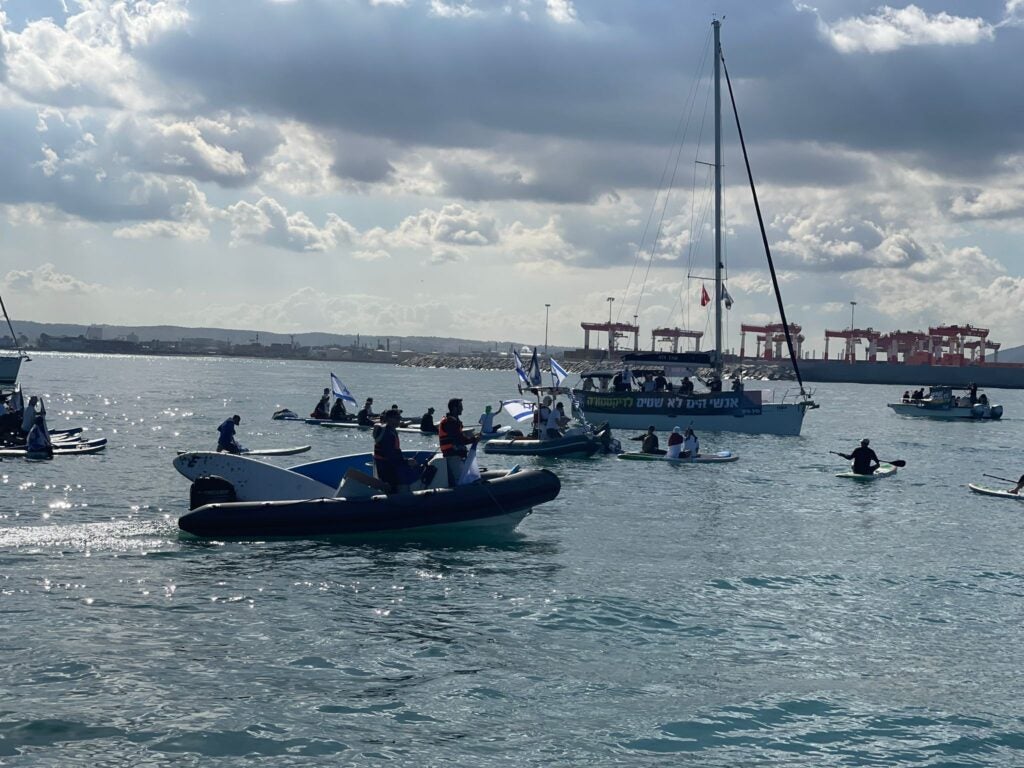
(720, 457)
(884, 470)
(1000, 492)
(572, 444)
(943, 402)
(495, 504)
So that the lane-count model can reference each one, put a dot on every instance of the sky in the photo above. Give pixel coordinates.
(499, 169)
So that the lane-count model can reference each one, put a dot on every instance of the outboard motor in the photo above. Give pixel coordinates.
(210, 489)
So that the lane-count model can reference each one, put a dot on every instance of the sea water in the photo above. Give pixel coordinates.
(749, 614)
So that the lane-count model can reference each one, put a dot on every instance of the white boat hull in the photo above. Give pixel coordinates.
(9, 367)
(976, 412)
(635, 410)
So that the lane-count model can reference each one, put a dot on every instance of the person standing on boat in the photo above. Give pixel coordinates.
(322, 409)
(627, 379)
(338, 412)
(454, 440)
(865, 462)
(588, 384)
(675, 443)
(737, 384)
(650, 443)
(366, 415)
(39, 437)
(226, 441)
(427, 422)
(541, 417)
(486, 422)
(391, 465)
(686, 386)
(691, 445)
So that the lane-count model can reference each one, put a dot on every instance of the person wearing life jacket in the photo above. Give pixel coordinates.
(392, 467)
(454, 440)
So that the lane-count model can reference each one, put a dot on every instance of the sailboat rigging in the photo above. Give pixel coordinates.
(735, 411)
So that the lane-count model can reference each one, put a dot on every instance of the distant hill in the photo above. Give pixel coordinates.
(312, 339)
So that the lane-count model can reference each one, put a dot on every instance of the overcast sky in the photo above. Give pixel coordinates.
(448, 167)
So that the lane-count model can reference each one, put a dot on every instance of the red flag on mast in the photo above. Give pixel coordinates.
(705, 299)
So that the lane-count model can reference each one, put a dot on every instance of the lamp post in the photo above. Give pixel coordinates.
(547, 308)
(611, 338)
(853, 349)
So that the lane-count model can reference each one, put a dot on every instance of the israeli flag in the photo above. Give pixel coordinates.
(535, 378)
(520, 410)
(520, 372)
(341, 391)
(558, 373)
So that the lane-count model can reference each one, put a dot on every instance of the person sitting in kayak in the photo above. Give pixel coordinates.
(366, 415)
(675, 443)
(321, 409)
(650, 443)
(392, 467)
(226, 442)
(39, 437)
(865, 462)
(338, 412)
(691, 445)
(427, 422)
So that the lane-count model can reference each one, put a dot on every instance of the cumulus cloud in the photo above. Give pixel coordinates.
(999, 203)
(561, 11)
(46, 280)
(889, 29)
(267, 221)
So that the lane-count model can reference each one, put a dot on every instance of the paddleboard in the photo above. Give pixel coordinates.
(58, 450)
(253, 480)
(1000, 492)
(266, 451)
(720, 457)
(884, 470)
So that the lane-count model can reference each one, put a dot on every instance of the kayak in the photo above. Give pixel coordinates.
(719, 457)
(1004, 494)
(884, 470)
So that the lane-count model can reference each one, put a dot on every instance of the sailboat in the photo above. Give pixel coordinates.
(738, 410)
(10, 364)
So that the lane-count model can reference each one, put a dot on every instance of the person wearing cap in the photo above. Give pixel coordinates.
(427, 422)
(675, 443)
(454, 440)
(322, 409)
(366, 415)
(39, 437)
(691, 445)
(865, 462)
(486, 421)
(227, 442)
(391, 465)
(650, 443)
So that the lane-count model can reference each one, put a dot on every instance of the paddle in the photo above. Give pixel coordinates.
(894, 462)
(997, 477)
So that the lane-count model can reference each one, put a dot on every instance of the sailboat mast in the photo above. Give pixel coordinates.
(716, 24)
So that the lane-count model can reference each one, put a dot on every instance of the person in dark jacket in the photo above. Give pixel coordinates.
(226, 441)
(427, 422)
(338, 412)
(321, 411)
(392, 467)
(650, 443)
(865, 462)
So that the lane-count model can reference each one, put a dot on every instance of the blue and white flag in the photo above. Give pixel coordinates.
(535, 378)
(470, 468)
(520, 410)
(520, 372)
(341, 391)
(558, 373)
